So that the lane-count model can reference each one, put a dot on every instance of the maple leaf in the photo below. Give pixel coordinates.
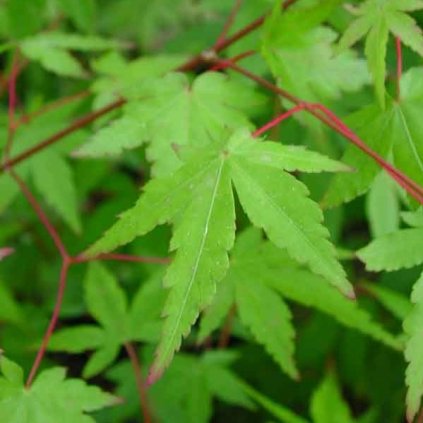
(51, 398)
(106, 301)
(301, 56)
(171, 110)
(327, 404)
(377, 18)
(51, 50)
(198, 201)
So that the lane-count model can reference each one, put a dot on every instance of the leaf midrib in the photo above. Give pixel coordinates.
(200, 253)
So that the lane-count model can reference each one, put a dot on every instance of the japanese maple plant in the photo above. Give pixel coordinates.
(211, 211)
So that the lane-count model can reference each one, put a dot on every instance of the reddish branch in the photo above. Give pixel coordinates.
(225, 334)
(53, 106)
(141, 385)
(78, 124)
(227, 26)
(187, 66)
(53, 322)
(331, 120)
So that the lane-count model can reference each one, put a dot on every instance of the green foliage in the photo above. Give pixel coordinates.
(198, 200)
(174, 111)
(119, 324)
(377, 18)
(414, 350)
(394, 131)
(239, 285)
(52, 397)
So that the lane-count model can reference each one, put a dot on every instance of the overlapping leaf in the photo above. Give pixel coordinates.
(300, 55)
(173, 111)
(50, 399)
(107, 303)
(327, 404)
(198, 200)
(377, 18)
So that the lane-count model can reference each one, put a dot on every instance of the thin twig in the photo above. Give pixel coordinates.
(187, 66)
(195, 61)
(141, 385)
(53, 322)
(53, 106)
(227, 26)
(399, 66)
(278, 119)
(41, 215)
(12, 106)
(75, 126)
(225, 334)
(234, 59)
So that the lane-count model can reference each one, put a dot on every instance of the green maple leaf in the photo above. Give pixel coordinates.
(50, 399)
(395, 130)
(255, 260)
(414, 351)
(377, 18)
(52, 51)
(107, 303)
(393, 251)
(327, 404)
(173, 111)
(300, 55)
(118, 77)
(198, 200)
(259, 307)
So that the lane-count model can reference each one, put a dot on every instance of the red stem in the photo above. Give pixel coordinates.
(234, 59)
(187, 66)
(225, 335)
(243, 32)
(78, 124)
(141, 385)
(53, 105)
(12, 106)
(330, 119)
(41, 215)
(227, 26)
(53, 321)
(258, 132)
(399, 66)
